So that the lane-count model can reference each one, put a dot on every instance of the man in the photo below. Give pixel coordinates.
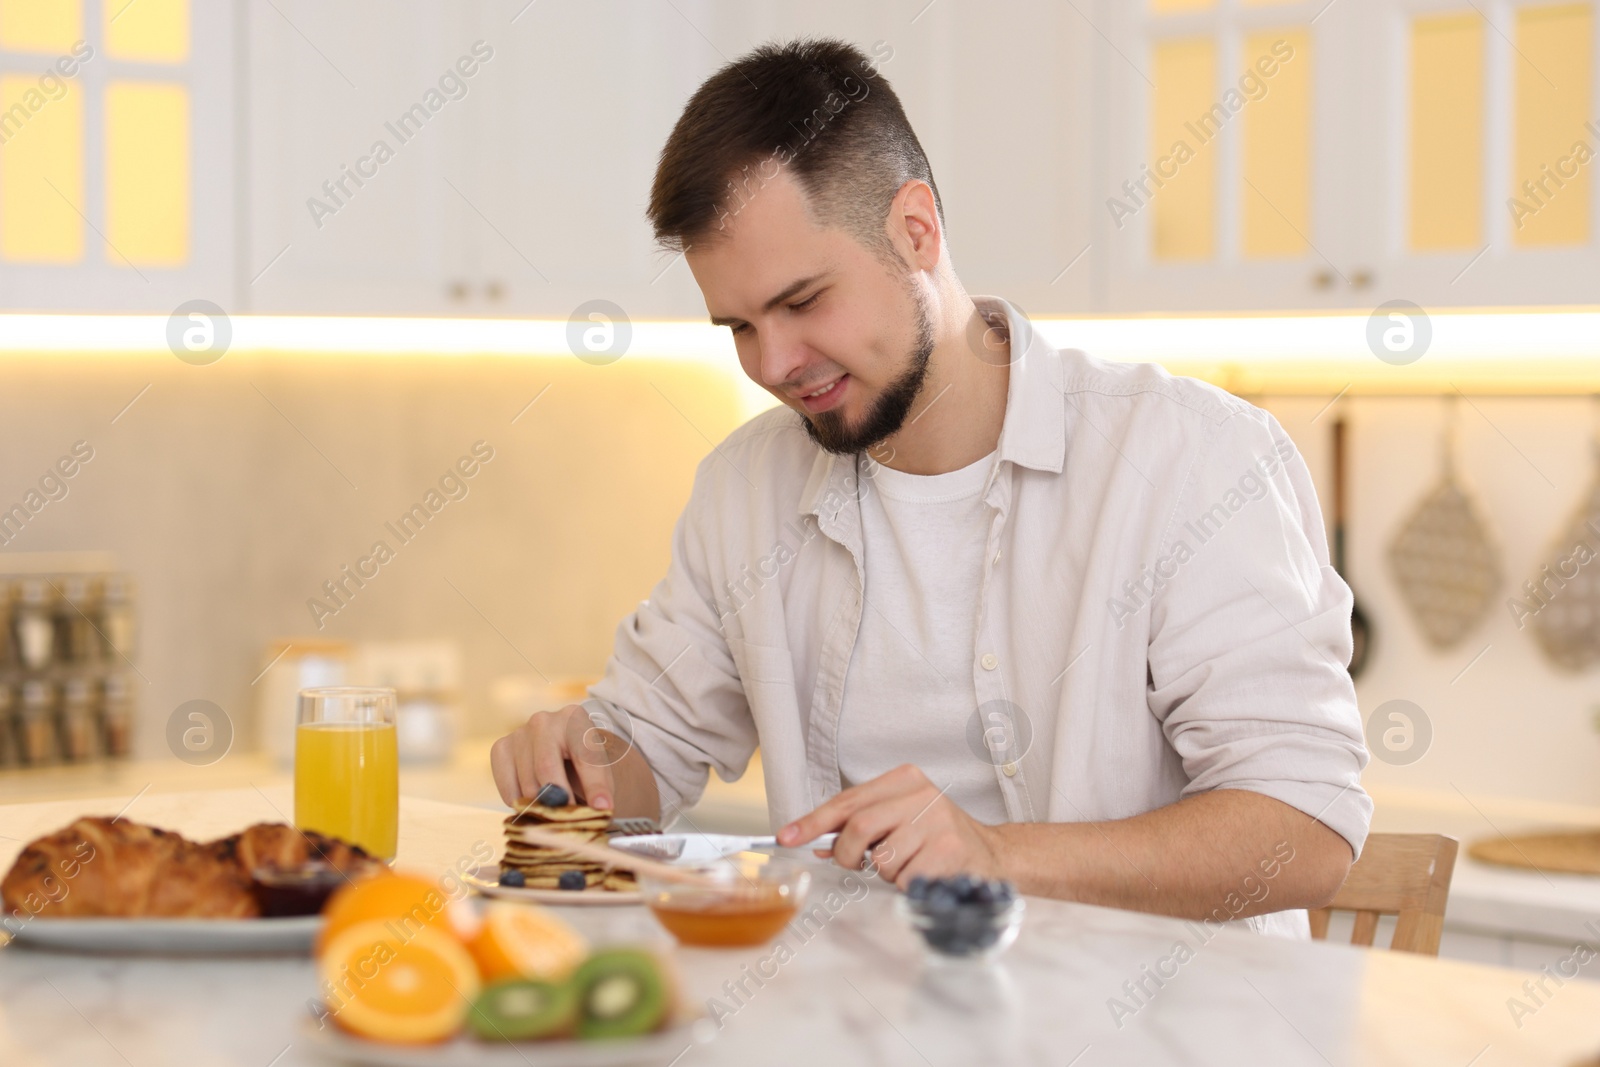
(986, 606)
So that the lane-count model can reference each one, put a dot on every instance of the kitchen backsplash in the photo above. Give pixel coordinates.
(418, 498)
(360, 498)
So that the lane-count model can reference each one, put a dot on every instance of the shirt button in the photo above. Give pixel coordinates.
(989, 661)
(1010, 769)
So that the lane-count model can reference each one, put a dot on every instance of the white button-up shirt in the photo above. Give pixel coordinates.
(1157, 615)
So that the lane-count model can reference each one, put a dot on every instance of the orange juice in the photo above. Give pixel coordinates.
(347, 783)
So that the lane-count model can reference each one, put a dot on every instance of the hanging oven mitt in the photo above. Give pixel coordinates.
(1562, 601)
(1443, 560)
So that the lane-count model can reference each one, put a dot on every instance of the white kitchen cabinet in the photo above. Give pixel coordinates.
(1391, 165)
(117, 181)
(1230, 141)
(360, 119)
(531, 201)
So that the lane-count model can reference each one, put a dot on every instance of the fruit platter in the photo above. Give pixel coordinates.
(407, 975)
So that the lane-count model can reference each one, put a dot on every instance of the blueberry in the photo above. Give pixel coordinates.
(918, 889)
(552, 796)
(983, 893)
(963, 886)
(513, 878)
(571, 880)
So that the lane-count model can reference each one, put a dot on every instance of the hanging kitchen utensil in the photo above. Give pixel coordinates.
(1562, 601)
(1360, 628)
(1443, 559)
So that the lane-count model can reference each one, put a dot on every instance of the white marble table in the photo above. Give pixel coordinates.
(857, 990)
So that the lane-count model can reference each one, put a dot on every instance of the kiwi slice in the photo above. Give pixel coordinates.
(519, 1009)
(621, 992)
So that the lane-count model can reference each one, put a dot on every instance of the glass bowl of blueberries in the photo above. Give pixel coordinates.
(962, 917)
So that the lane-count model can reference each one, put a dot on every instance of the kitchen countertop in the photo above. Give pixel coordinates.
(1488, 898)
(1484, 899)
(853, 989)
(727, 807)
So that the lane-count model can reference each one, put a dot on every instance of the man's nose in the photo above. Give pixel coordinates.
(783, 355)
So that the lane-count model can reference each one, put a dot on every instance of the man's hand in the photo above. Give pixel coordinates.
(911, 826)
(542, 750)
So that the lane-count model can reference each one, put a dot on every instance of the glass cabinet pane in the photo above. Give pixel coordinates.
(1183, 157)
(147, 173)
(1550, 146)
(1275, 198)
(1446, 132)
(40, 25)
(149, 31)
(41, 172)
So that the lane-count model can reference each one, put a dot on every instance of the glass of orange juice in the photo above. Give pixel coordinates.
(347, 767)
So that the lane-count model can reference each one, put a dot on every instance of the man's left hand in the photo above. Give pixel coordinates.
(916, 829)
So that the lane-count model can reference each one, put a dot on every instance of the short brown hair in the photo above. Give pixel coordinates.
(816, 105)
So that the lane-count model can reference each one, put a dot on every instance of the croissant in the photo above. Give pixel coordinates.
(275, 844)
(115, 867)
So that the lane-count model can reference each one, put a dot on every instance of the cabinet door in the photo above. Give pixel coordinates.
(1229, 151)
(360, 135)
(1481, 158)
(580, 100)
(116, 155)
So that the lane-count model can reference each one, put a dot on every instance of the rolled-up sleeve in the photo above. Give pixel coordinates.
(1250, 639)
(670, 684)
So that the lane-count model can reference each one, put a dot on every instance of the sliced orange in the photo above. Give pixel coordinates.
(413, 988)
(525, 941)
(408, 900)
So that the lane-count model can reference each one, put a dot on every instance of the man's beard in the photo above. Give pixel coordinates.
(888, 413)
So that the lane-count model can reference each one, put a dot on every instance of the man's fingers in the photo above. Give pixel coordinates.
(871, 825)
(504, 767)
(594, 779)
(834, 812)
(591, 763)
(546, 760)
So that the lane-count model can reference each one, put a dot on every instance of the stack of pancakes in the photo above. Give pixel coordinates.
(542, 866)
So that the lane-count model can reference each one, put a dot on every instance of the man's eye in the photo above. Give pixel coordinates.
(807, 303)
(741, 328)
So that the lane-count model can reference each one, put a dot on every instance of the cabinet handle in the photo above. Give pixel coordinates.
(457, 291)
(494, 290)
(1360, 279)
(1323, 279)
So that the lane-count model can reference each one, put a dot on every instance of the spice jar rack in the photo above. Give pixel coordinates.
(66, 657)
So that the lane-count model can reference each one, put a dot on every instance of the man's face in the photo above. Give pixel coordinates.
(818, 320)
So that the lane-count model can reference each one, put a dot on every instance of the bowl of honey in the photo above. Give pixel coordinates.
(747, 899)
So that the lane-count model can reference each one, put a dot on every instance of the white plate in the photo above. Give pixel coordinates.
(486, 880)
(656, 1049)
(205, 937)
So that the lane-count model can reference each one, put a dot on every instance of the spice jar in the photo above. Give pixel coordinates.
(79, 731)
(38, 727)
(116, 716)
(116, 617)
(76, 640)
(32, 628)
(7, 592)
(10, 756)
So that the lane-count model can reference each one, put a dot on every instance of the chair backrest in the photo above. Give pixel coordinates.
(1405, 875)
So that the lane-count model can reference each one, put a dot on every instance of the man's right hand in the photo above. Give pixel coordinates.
(595, 765)
(554, 748)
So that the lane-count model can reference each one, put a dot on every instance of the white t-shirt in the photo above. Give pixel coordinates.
(923, 538)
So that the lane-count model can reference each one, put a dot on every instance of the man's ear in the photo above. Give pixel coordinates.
(914, 225)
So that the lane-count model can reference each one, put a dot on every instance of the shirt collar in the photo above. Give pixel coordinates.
(1034, 433)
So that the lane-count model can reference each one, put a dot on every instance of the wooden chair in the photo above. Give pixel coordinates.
(1405, 875)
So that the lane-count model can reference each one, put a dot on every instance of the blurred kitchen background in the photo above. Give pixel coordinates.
(275, 274)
